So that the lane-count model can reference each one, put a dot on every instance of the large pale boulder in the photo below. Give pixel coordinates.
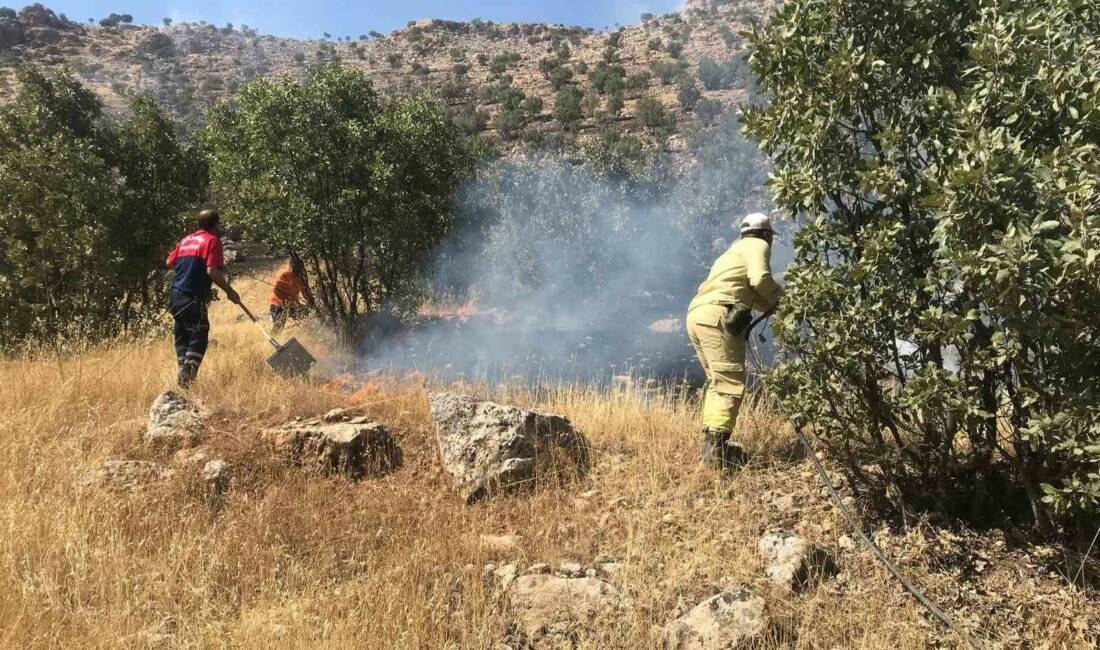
(727, 620)
(348, 448)
(551, 605)
(174, 422)
(792, 562)
(489, 448)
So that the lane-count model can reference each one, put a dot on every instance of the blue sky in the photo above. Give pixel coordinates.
(310, 18)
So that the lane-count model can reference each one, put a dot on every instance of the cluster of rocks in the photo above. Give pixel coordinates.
(175, 424)
(548, 605)
(487, 448)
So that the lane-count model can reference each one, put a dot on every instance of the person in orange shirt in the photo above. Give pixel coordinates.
(286, 296)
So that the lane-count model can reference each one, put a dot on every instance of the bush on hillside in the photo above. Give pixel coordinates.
(390, 170)
(89, 209)
(942, 307)
(567, 106)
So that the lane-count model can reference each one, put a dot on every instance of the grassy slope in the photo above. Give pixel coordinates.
(300, 561)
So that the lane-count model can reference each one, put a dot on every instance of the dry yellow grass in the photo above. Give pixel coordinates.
(298, 561)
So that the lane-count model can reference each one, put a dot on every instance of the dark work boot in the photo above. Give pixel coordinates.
(188, 372)
(714, 444)
(733, 456)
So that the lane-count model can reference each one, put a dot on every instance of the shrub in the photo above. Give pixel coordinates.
(711, 74)
(614, 104)
(590, 104)
(532, 105)
(607, 78)
(460, 69)
(394, 59)
(653, 114)
(675, 48)
(560, 77)
(728, 37)
(708, 110)
(667, 71)
(390, 170)
(942, 305)
(567, 106)
(509, 123)
(482, 58)
(469, 120)
(299, 57)
(655, 44)
(687, 93)
(89, 210)
(503, 61)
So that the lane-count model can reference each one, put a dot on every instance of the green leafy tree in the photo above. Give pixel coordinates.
(941, 314)
(356, 191)
(88, 210)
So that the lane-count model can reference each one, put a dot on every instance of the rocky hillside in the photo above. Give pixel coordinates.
(523, 83)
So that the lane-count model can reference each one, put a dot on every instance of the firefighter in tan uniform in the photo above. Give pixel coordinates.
(739, 282)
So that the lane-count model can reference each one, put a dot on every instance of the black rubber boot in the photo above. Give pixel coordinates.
(714, 445)
(733, 456)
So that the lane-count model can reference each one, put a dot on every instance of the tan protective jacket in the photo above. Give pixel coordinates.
(741, 276)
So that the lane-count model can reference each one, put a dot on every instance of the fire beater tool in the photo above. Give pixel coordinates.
(291, 358)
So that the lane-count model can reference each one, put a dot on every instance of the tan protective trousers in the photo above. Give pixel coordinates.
(723, 359)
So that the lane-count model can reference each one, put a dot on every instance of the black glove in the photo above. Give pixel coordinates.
(737, 320)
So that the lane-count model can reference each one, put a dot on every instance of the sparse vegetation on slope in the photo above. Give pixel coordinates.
(188, 66)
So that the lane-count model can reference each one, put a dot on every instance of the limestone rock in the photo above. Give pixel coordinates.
(126, 475)
(215, 474)
(353, 450)
(794, 563)
(499, 543)
(546, 603)
(489, 448)
(667, 326)
(723, 621)
(174, 422)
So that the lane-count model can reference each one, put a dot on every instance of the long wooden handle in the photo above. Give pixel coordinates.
(255, 320)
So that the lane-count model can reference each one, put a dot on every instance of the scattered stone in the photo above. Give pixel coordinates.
(667, 326)
(783, 503)
(188, 457)
(571, 569)
(611, 569)
(215, 474)
(174, 422)
(723, 621)
(541, 567)
(794, 563)
(499, 543)
(505, 575)
(335, 415)
(125, 475)
(551, 605)
(490, 448)
(846, 543)
(353, 450)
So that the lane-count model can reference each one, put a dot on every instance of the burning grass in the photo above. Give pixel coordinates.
(297, 561)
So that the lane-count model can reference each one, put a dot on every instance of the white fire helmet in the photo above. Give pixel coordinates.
(756, 221)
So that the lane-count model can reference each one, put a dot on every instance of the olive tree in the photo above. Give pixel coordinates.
(357, 191)
(941, 314)
(88, 208)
